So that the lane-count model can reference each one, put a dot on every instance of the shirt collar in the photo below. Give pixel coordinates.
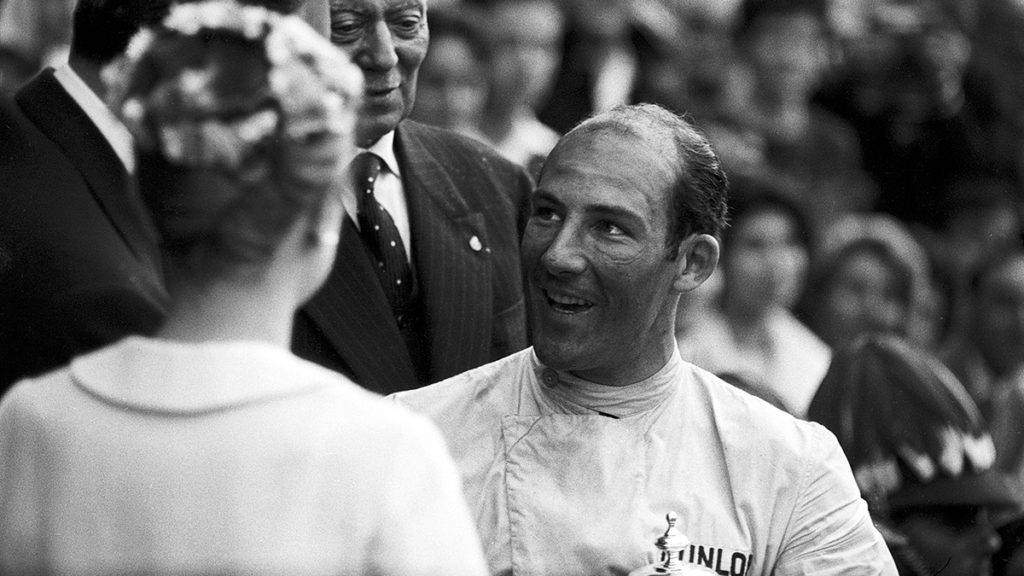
(108, 124)
(385, 149)
(164, 376)
(578, 396)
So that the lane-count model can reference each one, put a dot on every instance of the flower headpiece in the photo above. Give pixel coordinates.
(313, 87)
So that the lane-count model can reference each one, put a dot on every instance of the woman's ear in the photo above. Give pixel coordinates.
(697, 259)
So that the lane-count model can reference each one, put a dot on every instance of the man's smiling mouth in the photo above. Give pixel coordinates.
(567, 304)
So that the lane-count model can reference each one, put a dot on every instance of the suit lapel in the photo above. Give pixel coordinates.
(451, 267)
(49, 106)
(353, 314)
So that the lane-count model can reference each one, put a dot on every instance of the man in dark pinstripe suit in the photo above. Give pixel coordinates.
(456, 205)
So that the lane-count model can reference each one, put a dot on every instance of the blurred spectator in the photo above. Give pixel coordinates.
(903, 89)
(981, 217)
(705, 58)
(452, 89)
(599, 63)
(750, 334)
(526, 41)
(787, 48)
(987, 353)
(869, 275)
(921, 455)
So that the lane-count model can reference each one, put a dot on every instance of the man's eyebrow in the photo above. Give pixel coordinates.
(411, 4)
(613, 210)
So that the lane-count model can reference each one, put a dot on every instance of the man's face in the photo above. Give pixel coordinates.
(594, 249)
(999, 317)
(388, 40)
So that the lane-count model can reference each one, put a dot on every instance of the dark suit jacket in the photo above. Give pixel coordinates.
(464, 205)
(78, 259)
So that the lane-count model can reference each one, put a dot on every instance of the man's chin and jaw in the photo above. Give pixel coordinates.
(381, 111)
(585, 338)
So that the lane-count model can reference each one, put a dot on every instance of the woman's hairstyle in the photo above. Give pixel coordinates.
(751, 197)
(243, 119)
(876, 234)
(912, 434)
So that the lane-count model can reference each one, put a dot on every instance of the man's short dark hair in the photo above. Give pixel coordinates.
(700, 191)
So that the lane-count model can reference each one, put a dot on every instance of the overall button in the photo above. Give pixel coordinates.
(549, 377)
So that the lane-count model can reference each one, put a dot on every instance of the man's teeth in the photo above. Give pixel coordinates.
(567, 300)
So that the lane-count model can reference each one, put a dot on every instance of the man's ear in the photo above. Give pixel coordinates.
(697, 259)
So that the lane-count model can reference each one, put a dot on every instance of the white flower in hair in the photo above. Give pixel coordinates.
(313, 85)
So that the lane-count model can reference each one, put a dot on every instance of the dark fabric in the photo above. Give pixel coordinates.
(79, 264)
(465, 203)
(380, 233)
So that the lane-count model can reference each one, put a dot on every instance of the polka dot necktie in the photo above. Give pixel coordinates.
(380, 234)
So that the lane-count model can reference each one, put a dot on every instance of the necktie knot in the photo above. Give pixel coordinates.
(364, 170)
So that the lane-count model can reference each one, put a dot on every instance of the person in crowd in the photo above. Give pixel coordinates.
(786, 48)
(573, 451)
(981, 217)
(431, 284)
(79, 264)
(921, 455)
(525, 39)
(868, 275)
(210, 448)
(987, 353)
(452, 87)
(599, 66)
(903, 89)
(751, 333)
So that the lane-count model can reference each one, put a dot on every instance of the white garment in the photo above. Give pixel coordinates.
(113, 130)
(792, 368)
(388, 190)
(221, 458)
(559, 488)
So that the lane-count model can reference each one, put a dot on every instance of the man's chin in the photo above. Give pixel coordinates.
(558, 355)
(373, 125)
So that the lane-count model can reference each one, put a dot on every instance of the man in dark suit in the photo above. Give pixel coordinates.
(454, 204)
(79, 265)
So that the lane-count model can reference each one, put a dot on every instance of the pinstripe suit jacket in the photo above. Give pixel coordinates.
(465, 209)
(79, 264)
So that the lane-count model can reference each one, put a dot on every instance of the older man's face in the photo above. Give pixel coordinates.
(599, 277)
(388, 40)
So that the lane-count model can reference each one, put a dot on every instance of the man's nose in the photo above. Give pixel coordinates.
(378, 50)
(565, 254)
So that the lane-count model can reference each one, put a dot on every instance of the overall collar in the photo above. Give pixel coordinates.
(573, 395)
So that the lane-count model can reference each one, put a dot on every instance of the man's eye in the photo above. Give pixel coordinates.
(345, 30)
(610, 228)
(408, 24)
(545, 214)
